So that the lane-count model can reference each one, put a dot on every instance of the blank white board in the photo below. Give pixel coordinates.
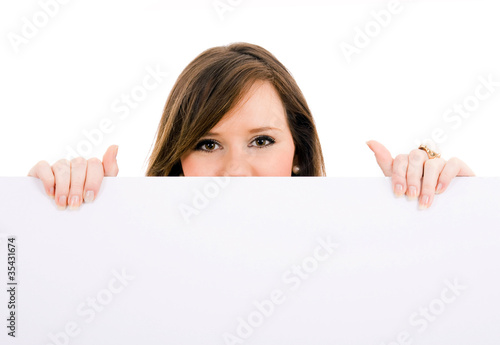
(159, 260)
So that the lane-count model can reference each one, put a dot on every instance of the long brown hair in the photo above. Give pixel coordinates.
(210, 86)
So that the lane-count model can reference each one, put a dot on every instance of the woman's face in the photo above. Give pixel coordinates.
(253, 139)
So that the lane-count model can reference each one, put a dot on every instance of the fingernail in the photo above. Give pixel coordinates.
(51, 193)
(424, 201)
(398, 190)
(412, 192)
(62, 202)
(116, 154)
(89, 196)
(73, 203)
(439, 188)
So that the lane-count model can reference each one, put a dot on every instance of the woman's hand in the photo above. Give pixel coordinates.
(71, 182)
(416, 175)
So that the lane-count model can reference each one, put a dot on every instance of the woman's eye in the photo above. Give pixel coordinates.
(263, 141)
(207, 145)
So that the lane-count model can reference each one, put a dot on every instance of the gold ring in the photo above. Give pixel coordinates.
(431, 154)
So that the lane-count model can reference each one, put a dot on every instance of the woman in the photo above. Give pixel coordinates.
(235, 110)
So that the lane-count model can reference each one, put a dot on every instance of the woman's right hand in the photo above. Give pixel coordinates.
(71, 182)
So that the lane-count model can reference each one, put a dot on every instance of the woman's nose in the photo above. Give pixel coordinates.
(236, 164)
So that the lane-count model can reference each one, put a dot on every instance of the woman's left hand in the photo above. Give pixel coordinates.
(416, 175)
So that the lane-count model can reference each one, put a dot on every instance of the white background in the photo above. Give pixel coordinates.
(65, 78)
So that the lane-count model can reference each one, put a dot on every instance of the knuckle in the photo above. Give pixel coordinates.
(62, 162)
(76, 188)
(428, 190)
(430, 164)
(94, 160)
(39, 168)
(426, 185)
(61, 170)
(94, 180)
(454, 161)
(399, 172)
(61, 167)
(49, 179)
(445, 175)
(401, 158)
(417, 155)
(42, 163)
(78, 161)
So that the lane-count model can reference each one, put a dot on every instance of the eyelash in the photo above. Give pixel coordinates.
(200, 144)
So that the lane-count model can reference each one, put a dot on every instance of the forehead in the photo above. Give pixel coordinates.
(261, 106)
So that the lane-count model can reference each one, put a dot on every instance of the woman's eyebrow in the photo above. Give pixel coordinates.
(263, 129)
(255, 130)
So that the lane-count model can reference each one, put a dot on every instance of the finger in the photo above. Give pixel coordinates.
(382, 155)
(61, 170)
(43, 171)
(432, 169)
(95, 174)
(109, 161)
(454, 167)
(399, 169)
(464, 168)
(78, 174)
(416, 161)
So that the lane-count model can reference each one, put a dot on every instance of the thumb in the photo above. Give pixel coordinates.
(109, 161)
(382, 155)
